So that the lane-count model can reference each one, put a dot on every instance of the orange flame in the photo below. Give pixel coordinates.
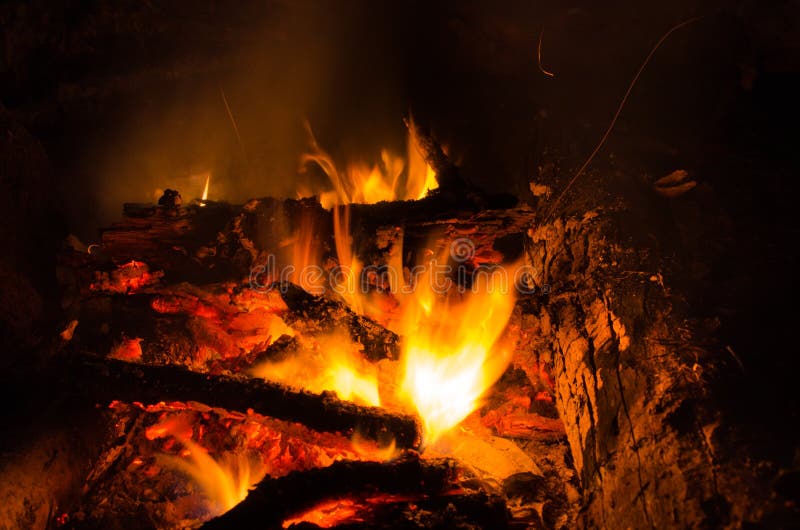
(361, 184)
(451, 352)
(334, 364)
(224, 482)
(204, 198)
(450, 355)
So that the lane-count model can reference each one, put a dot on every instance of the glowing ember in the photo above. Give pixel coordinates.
(332, 513)
(327, 514)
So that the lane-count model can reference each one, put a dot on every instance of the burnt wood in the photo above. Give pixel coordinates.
(275, 499)
(477, 511)
(105, 380)
(315, 312)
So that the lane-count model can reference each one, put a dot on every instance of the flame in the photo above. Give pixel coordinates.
(450, 354)
(306, 254)
(361, 183)
(372, 450)
(333, 364)
(205, 189)
(451, 350)
(224, 481)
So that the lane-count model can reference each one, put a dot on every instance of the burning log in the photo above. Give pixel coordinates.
(275, 499)
(109, 380)
(221, 241)
(462, 510)
(168, 237)
(310, 313)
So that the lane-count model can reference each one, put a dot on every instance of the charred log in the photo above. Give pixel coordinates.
(275, 499)
(106, 380)
(317, 314)
(477, 511)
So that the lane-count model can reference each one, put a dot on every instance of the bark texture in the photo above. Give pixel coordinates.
(634, 378)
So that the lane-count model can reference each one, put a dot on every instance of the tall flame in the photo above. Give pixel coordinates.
(451, 355)
(451, 352)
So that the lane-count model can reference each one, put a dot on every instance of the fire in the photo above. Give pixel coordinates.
(361, 183)
(224, 481)
(451, 349)
(451, 353)
(205, 190)
(332, 364)
(335, 512)
(306, 253)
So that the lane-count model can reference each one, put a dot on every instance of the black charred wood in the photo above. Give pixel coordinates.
(477, 511)
(106, 380)
(274, 500)
(324, 315)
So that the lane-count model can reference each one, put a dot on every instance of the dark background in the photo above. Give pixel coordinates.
(107, 101)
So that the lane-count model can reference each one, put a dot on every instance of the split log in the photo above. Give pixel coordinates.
(107, 380)
(275, 499)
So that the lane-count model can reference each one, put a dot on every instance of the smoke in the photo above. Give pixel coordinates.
(238, 112)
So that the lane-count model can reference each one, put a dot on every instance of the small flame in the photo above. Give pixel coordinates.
(224, 481)
(306, 253)
(372, 450)
(334, 364)
(361, 183)
(205, 190)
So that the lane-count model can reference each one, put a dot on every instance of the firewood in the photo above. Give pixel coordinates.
(275, 499)
(312, 313)
(106, 380)
(441, 512)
